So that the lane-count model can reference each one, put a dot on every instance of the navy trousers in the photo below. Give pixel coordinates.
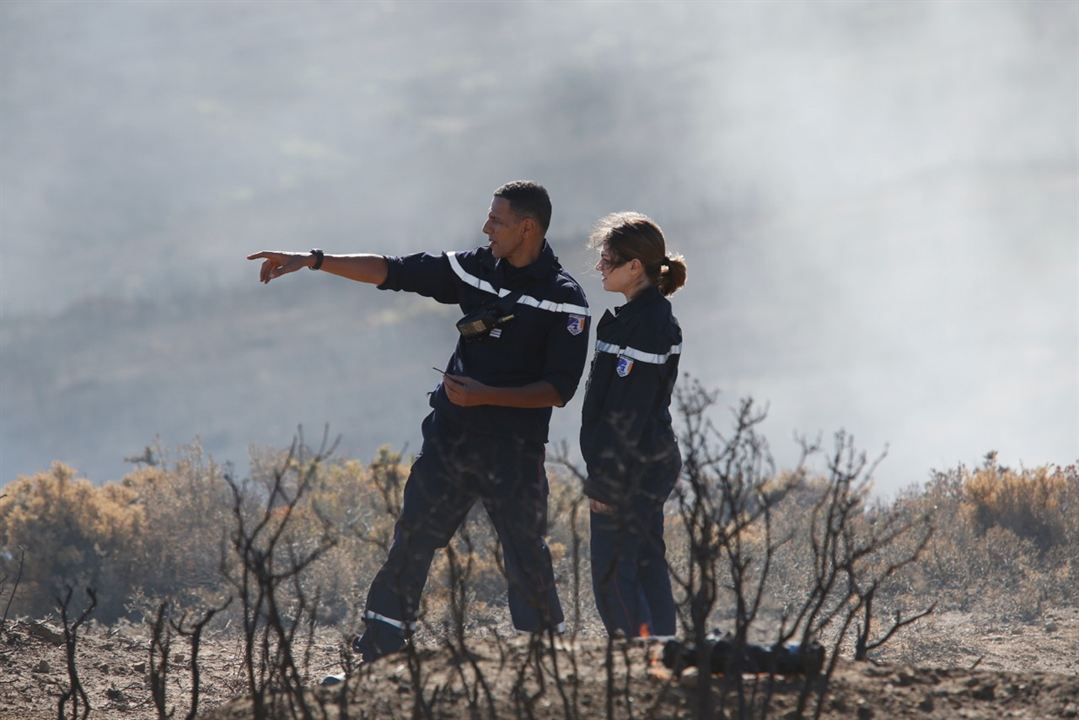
(630, 579)
(453, 471)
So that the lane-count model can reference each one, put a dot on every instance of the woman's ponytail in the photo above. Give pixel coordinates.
(672, 274)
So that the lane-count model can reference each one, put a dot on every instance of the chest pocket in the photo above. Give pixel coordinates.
(523, 333)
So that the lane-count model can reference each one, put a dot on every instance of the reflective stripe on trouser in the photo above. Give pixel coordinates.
(451, 473)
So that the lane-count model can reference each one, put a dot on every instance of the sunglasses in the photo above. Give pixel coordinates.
(610, 263)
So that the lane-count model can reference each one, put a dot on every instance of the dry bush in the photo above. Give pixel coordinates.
(342, 496)
(157, 532)
(72, 534)
(184, 506)
(1005, 541)
(1033, 504)
(271, 545)
(792, 572)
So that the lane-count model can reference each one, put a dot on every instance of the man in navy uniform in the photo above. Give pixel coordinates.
(522, 350)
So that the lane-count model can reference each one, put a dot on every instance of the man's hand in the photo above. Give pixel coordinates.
(465, 391)
(276, 263)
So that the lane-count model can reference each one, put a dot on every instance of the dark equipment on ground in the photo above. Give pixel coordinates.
(790, 659)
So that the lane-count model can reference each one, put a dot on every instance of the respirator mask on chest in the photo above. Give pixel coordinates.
(480, 322)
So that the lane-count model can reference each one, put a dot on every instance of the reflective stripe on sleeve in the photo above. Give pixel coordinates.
(487, 287)
(635, 354)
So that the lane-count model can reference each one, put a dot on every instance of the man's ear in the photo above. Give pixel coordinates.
(531, 226)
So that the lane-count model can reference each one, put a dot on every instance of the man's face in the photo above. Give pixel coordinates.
(504, 228)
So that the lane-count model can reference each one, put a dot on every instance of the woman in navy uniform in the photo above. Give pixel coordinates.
(627, 440)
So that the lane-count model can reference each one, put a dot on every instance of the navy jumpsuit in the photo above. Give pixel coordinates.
(633, 462)
(489, 453)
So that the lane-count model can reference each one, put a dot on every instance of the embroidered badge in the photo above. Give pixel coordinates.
(495, 333)
(623, 366)
(575, 324)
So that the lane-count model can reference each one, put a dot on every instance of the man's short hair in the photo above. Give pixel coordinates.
(529, 199)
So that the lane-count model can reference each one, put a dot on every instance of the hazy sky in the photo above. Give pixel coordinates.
(879, 201)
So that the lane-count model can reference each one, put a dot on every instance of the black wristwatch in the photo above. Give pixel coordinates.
(319, 257)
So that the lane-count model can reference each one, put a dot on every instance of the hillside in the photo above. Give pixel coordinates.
(247, 366)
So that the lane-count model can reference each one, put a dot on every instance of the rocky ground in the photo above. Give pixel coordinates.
(952, 665)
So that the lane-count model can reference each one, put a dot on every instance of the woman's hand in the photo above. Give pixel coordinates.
(601, 508)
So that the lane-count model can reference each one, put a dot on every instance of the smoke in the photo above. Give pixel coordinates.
(878, 201)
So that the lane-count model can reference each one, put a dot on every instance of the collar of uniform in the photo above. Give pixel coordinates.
(642, 300)
(538, 269)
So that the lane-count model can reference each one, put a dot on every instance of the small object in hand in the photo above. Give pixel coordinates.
(446, 376)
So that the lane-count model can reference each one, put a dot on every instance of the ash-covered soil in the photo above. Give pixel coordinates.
(952, 665)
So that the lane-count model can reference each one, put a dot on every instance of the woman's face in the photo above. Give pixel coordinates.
(618, 275)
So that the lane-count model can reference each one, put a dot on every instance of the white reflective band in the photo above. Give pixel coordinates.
(560, 628)
(472, 279)
(635, 354)
(523, 300)
(553, 307)
(370, 615)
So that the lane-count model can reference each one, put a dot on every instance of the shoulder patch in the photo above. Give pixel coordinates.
(623, 366)
(576, 324)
